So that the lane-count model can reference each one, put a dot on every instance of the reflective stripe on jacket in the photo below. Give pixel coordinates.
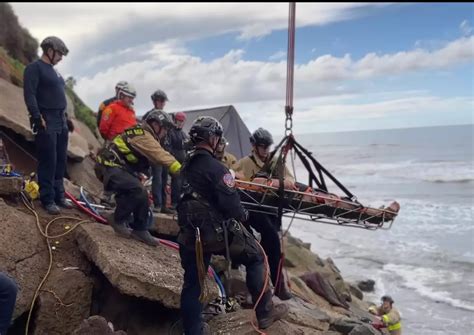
(136, 148)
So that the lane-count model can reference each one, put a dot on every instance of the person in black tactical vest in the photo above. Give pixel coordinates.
(209, 211)
(128, 155)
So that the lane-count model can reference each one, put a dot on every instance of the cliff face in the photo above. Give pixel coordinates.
(15, 39)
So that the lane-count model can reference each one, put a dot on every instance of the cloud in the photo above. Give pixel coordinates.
(466, 28)
(278, 55)
(94, 29)
(389, 110)
(190, 81)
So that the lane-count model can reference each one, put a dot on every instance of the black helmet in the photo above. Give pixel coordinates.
(204, 127)
(159, 95)
(261, 137)
(387, 298)
(160, 116)
(54, 43)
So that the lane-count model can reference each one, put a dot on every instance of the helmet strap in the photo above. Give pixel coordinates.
(51, 58)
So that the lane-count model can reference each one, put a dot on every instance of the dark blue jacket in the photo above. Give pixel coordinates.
(44, 89)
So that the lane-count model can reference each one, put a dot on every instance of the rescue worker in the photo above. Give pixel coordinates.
(160, 172)
(247, 168)
(128, 155)
(119, 115)
(390, 316)
(8, 291)
(108, 101)
(209, 207)
(45, 98)
(177, 138)
(225, 157)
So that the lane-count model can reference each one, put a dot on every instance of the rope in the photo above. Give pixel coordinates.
(264, 289)
(201, 267)
(44, 233)
(290, 70)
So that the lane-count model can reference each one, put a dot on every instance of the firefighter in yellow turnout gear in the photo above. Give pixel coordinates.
(128, 155)
(389, 315)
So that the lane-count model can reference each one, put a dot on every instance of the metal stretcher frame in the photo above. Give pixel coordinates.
(267, 202)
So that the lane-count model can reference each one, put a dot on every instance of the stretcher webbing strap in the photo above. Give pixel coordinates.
(318, 166)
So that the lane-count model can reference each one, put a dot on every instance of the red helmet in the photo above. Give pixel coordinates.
(180, 116)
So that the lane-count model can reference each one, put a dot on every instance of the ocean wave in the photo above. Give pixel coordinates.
(453, 181)
(434, 172)
(421, 280)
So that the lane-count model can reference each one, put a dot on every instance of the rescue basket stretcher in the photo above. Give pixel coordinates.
(262, 195)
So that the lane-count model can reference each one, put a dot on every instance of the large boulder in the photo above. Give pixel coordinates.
(65, 298)
(134, 268)
(97, 325)
(300, 260)
(300, 320)
(14, 115)
(23, 253)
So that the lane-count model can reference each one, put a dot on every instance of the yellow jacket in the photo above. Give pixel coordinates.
(229, 160)
(138, 147)
(391, 319)
(251, 164)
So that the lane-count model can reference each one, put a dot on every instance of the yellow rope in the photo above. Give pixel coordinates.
(47, 237)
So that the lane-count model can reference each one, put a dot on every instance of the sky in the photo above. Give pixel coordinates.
(358, 66)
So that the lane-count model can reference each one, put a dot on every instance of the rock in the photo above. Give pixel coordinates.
(301, 315)
(13, 112)
(136, 269)
(239, 323)
(10, 185)
(165, 224)
(366, 285)
(62, 307)
(345, 325)
(356, 292)
(364, 330)
(14, 115)
(324, 288)
(96, 325)
(23, 253)
(82, 174)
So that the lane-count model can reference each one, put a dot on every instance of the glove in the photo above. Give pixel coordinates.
(36, 124)
(70, 125)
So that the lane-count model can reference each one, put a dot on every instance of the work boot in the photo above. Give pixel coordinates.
(282, 291)
(63, 203)
(121, 229)
(145, 237)
(278, 312)
(156, 209)
(165, 210)
(52, 209)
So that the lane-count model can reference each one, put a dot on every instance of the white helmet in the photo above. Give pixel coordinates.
(121, 84)
(127, 90)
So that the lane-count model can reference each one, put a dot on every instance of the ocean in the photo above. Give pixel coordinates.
(426, 260)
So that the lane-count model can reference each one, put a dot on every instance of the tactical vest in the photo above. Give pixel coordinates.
(119, 152)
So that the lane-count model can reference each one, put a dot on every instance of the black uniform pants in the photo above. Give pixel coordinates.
(130, 196)
(8, 290)
(268, 229)
(51, 151)
(191, 308)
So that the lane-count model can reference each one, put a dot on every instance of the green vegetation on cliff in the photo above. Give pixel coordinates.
(18, 48)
